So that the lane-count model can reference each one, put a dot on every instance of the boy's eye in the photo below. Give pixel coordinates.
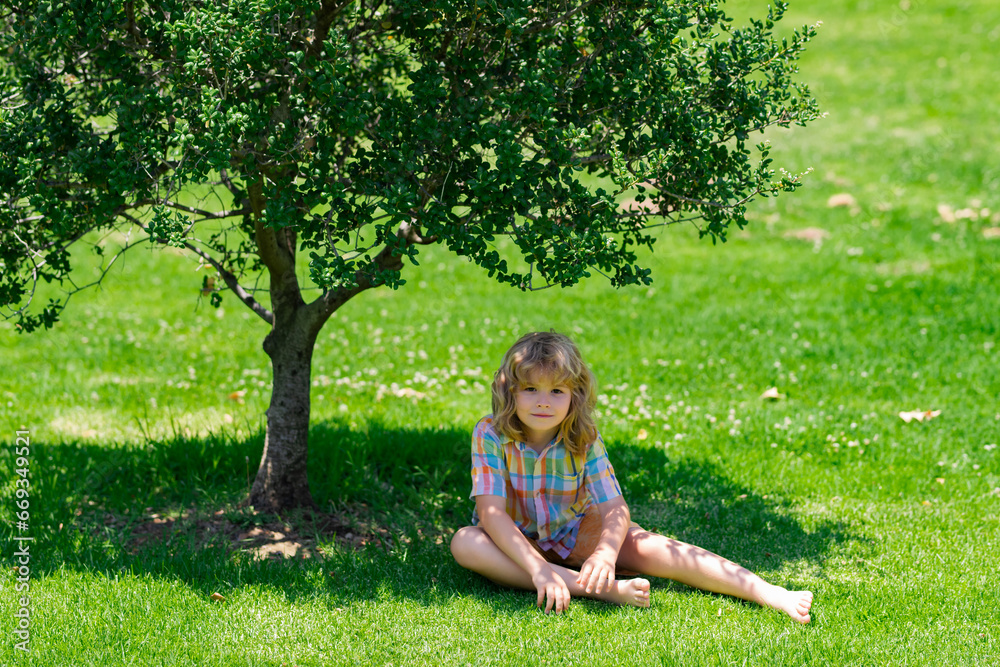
(557, 391)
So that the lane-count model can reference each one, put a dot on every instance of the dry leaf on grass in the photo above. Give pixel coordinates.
(841, 199)
(772, 394)
(217, 597)
(946, 212)
(919, 415)
(238, 395)
(813, 234)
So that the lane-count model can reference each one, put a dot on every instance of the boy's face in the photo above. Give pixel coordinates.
(542, 405)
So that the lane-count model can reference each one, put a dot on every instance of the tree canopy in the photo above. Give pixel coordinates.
(344, 135)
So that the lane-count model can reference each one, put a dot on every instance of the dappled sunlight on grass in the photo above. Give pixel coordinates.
(106, 426)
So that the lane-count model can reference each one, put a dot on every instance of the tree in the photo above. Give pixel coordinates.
(343, 135)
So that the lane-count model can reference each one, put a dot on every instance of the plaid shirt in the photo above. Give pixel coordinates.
(546, 493)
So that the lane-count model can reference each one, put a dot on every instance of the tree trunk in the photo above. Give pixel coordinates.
(282, 482)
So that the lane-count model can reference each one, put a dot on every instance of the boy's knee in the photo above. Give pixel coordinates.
(463, 543)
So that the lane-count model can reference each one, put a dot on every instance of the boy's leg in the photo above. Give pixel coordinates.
(660, 556)
(476, 551)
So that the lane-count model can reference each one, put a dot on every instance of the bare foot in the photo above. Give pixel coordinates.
(634, 592)
(794, 603)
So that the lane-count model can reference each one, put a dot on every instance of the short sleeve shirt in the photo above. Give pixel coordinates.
(546, 493)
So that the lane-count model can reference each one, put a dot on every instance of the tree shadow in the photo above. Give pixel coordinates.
(404, 491)
(698, 503)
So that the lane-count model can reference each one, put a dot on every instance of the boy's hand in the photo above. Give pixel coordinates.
(551, 590)
(598, 572)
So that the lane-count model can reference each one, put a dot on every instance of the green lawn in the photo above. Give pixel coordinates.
(136, 426)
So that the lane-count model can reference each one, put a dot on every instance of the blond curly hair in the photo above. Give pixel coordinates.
(557, 357)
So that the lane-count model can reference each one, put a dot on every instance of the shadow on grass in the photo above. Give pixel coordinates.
(410, 485)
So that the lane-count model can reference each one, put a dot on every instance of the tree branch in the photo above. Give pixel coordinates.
(275, 258)
(34, 280)
(76, 288)
(227, 276)
(703, 202)
(412, 235)
(228, 182)
(386, 260)
(328, 11)
(545, 25)
(597, 157)
(206, 215)
(233, 284)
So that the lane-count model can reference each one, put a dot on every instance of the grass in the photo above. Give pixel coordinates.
(893, 525)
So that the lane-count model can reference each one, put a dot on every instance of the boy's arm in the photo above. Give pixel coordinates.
(598, 570)
(493, 518)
